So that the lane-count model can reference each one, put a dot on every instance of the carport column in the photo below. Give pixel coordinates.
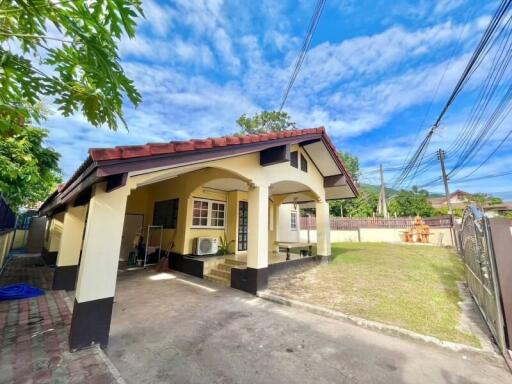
(68, 258)
(323, 231)
(274, 231)
(97, 274)
(257, 245)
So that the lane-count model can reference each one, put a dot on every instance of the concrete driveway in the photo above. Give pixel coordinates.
(174, 328)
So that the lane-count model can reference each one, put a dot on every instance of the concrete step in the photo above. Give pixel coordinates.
(216, 279)
(221, 273)
(236, 263)
(224, 267)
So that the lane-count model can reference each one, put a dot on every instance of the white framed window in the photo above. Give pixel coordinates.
(208, 214)
(293, 221)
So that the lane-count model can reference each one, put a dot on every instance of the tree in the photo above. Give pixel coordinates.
(266, 121)
(411, 203)
(457, 212)
(352, 164)
(29, 172)
(66, 51)
(484, 199)
(365, 205)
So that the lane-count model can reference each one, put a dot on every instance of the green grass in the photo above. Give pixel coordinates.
(413, 287)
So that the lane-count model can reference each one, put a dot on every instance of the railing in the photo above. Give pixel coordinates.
(347, 223)
(7, 216)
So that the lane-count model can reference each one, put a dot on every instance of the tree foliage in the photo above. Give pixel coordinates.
(484, 199)
(443, 211)
(352, 163)
(266, 121)
(365, 205)
(411, 203)
(66, 51)
(29, 171)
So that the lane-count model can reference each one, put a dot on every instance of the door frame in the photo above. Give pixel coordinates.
(245, 205)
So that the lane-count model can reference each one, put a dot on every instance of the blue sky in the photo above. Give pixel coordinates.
(369, 77)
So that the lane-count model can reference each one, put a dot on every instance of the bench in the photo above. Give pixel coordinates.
(289, 246)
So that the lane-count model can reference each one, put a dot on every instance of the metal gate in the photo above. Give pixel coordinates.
(478, 254)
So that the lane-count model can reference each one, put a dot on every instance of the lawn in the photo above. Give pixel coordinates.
(413, 287)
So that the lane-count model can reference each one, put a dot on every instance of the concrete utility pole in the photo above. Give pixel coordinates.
(383, 206)
(441, 156)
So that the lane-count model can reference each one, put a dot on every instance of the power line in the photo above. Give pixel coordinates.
(465, 180)
(305, 47)
(474, 62)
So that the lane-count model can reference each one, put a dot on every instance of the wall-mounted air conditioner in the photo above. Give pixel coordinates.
(205, 246)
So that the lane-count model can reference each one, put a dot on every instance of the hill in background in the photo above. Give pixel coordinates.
(389, 191)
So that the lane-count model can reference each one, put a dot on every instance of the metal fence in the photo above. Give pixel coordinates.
(347, 223)
(481, 272)
(7, 216)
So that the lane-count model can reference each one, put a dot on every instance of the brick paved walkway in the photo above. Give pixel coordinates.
(34, 335)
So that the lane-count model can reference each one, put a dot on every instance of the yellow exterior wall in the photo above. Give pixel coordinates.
(5, 243)
(190, 183)
(52, 242)
(184, 188)
(20, 238)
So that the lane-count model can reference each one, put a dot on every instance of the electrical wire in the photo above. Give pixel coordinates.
(304, 49)
(485, 44)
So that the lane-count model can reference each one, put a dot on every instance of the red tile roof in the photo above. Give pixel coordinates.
(133, 151)
(99, 155)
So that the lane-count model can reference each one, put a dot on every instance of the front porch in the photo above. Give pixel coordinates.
(218, 269)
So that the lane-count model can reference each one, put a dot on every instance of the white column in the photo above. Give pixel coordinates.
(274, 231)
(257, 246)
(69, 248)
(98, 267)
(323, 230)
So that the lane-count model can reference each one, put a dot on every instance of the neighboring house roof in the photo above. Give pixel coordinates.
(505, 206)
(107, 163)
(439, 202)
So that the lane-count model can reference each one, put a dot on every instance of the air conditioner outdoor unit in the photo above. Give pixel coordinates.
(205, 246)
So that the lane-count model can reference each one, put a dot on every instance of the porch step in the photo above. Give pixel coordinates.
(217, 279)
(221, 273)
(224, 267)
(235, 263)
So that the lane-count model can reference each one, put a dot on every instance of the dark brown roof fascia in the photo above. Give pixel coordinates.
(113, 167)
(341, 166)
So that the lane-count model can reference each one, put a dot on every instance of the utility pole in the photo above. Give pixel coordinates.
(441, 156)
(383, 206)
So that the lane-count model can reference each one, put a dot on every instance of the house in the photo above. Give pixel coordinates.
(458, 199)
(498, 210)
(167, 195)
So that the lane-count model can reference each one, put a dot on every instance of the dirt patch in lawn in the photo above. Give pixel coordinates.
(413, 287)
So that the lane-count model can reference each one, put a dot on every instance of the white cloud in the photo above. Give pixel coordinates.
(444, 6)
(166, 51)
(159, 18)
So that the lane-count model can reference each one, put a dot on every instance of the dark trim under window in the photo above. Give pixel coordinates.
(165, 213)
(303, 163)
(294, 159)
